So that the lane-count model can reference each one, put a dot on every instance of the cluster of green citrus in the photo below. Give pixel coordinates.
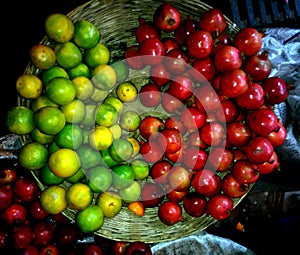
(75, 124)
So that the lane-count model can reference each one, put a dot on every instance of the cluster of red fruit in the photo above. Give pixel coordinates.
(26, 229)
(217, 91)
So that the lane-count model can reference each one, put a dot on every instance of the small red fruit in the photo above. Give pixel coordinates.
(170, 213)
(166, 17)
(220, 206)
(194, 204)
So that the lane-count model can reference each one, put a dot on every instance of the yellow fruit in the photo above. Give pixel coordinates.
(61, 90)
(86, 34)
(79, 196)
(84, 87)
(59, 27)
(42, 56)
(135, 145)
(104, 77)
(100, 138)
(126, 91)
(115, 102)
(19, 120)
(53, 199)
(68, 55)
(49, 120)
(106, 115)
(74, 111)
(64, 162)
(29, 86)
(110, 202)
(97, 55)
(33, 156)
(116, 131)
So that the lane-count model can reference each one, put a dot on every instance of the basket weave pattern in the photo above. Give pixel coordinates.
(116, 21)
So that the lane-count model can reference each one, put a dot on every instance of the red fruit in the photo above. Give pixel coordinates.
(151, 51)
(8, 176)
(220, 159)
(119, 247)
(192, 118)
(43, 233)
(93, 249)
(138, 247)
(3, 239)
(176, 196)
(203, 69)
(206, 99)
(173, 121)
(213, 21)
(206, 182)
(195, 140)
(212, 134)
(199, 44)
(159, 74)
(176, 156)
(170, 213)
(253, 98)
(228, 111)
(167, 17)
(277, 137)
(179, 178)
(31, 250)
(227, 58)
(66, 235)
(233, 83)
(269, 166)
(194, 158)
(133, 58)
(258, 66)
(176, 61)
(248, 40)
(26, 189)
(245, 172)
(219, 207)
(194, 204)
(14, 214)
(170, 139)
(238, 133)
(152, 194)
(263, 121)
(159, 171)
(259, 150)
(232, 188)
(181, 87)
(219, 42)
(275, 90)
(150, 125)
(6, 196)
(36, 210)
(185, 28)
(22, 236)
(151, 151)
(169, 43)
(150, 95)
(171, 104)
(49, 249)
(146, 30)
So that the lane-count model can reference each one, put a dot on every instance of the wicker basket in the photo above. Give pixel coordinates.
(116, 21)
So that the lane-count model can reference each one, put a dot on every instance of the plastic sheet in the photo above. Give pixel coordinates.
(283, 45)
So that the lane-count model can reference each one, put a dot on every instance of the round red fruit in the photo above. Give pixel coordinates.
(159, 171)
(199, 44)
(275, 90)
(179, 178)
(194, 204)
(150, 95)
(146, 30)
(151, 51)
(219, 207)
(213, 21)
(167, 17)
(227, 58)
(181, 87)
(232, 188)
(245, 172)
(194, 158)
(170, 213)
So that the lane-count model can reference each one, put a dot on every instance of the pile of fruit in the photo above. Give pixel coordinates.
(27, 229)
(184, 123)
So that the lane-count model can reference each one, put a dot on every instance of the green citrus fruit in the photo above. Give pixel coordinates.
(33, 156)
(106, 115)
(121, 69)
(99, 178)
(77, 177)
(90, 219)
(38, 136)
(97, 55)
(121, 150)
(74, 111)
(86, 34)
(123, 176)
(131, 193)
(41, 102)
(115, 102)
(84, 87)
(99, 95)
(53, 199)
(19, 120)
(107, 159)
(130, 120)
(42, 56)
(71, 136)
(68, 55)
(140, 168)
(61, 90)
(89, 157)
(49, 120)
(47, 177)
(89, 119)
(52, 72)
(104, 77)
(100, 138)
(80, 70)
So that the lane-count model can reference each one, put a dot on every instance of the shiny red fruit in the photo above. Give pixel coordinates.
(185, 28)
(176, 61)
(150, 95)
(194, 158)
(22, 236)
(93, 249)
(6, 196)
(199, 44)
(181, 87)
(238, 133)
(213, 134)
(138, 247)
(43, 233)
(167, 17)
(150, 126)
(14, 214)
(179, 178)
(213, 21)
(8, 176)
(49, 249)
(145, 30)
(220, 206)
(194, 204)
(275, 89)
(26, 189)
(227, 58)
(151, 51)
(36, 210)
(159, 171)
(170, 213)
(220, 159)
(169, 140)
(192, 118)
(232, 188)
(152, 194)
(245, 172)
(159, 74)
